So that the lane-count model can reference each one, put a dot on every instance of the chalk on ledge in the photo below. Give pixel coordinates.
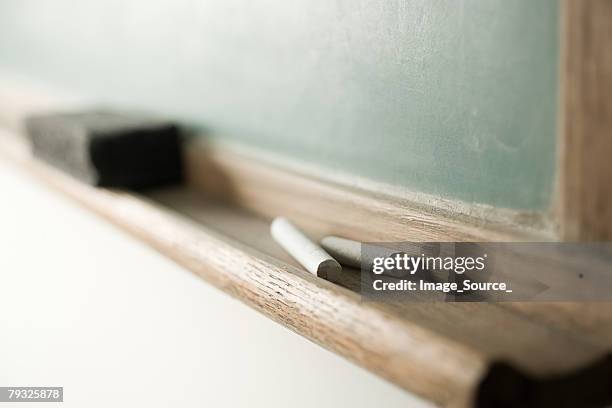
(346, 251)
(107, 148)
(307, 253)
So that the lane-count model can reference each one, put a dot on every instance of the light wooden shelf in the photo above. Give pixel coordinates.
(441, 351)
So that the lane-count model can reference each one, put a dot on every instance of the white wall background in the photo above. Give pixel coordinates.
(86, 307)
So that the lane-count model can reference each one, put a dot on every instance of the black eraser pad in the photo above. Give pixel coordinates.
(109, 149)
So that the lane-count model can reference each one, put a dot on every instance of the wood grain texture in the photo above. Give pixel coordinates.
(591, 320)
(584, 201)
(439, 351)
(325, 313)
(331, 208)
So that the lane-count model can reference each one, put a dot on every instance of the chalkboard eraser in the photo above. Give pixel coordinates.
(107, 148)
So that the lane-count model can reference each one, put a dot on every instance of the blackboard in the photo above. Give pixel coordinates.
(452, 98)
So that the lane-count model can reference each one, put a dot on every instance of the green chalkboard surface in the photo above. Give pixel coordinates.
(455, 98)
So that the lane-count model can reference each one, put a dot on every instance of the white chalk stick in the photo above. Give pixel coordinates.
(307, 253)
(346, 251)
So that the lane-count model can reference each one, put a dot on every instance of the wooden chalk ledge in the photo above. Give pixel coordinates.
(452, 354)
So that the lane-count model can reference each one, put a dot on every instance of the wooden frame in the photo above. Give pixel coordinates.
(584, 200)
(247, 180)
